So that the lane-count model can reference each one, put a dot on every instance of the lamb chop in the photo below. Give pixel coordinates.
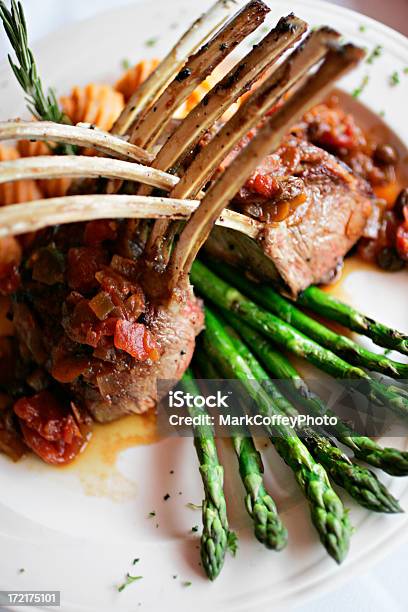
(108, 326)
(336, 232)
(314, 210)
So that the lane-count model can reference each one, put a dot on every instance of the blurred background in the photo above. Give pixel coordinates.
(47, 15)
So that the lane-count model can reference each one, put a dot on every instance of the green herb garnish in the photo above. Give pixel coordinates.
(362, 28)
(405, 71)
(359, 90)
(126, 64)
(42, 105)
(187, 583)
(394, 79)
(152, 513)
(135, 561)
(375, 53)
(129, 580)
(195, 528)
(150, 42)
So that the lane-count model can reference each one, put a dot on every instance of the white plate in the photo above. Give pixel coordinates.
(78, 529)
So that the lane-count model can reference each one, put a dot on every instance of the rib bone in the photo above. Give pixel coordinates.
(192, 39)
(153, 123)
(252, 112)
(339, 61)
(228, 90)
(75, 135)
(47, 167)
(247, 116)
(36, 215)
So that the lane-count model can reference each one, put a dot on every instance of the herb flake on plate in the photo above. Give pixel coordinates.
(375, 53)
(395, 79)
(150, 42)
(129, 580)
(359, 90)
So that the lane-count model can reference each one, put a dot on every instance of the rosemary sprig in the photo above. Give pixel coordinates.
(43, 106)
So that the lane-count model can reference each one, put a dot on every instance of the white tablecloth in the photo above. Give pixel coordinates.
(382, 588)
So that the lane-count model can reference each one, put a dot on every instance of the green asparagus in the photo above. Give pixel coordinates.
(362, 484)
(391, 460)
(287, 311)
(214, 539)
(268, 527)
(328, 306)
(229, 298)
(327, 511)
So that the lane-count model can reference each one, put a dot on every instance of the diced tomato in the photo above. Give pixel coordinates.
(116, 285)
(83, 264)
(135, 305)
(49, 428)
(388, 192)
(66, 368)
(55, 453)
(84, 327)
(338, 137)
(333, 129)
(151, 346)
(98, 231)
(80, 325)
(108, 327)
(135, 339)
(264, 184)
(402, 241)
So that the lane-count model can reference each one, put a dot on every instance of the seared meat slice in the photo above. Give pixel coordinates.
(314, 211)
(82, 316)
(116, 393)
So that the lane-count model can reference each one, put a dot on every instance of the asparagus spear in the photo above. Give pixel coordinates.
(268, 527)
(362, 484)
(390, 460)
(341, 345)
(319, 301)
(215, 536)
(228, 298)
(327, 511)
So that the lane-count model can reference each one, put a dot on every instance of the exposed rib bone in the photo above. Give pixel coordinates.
(53, 166)
(75, 135)
(153, 86)
(36, 215)
(153, 123)
(253, 111)
(338, 62)
(238, 80)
